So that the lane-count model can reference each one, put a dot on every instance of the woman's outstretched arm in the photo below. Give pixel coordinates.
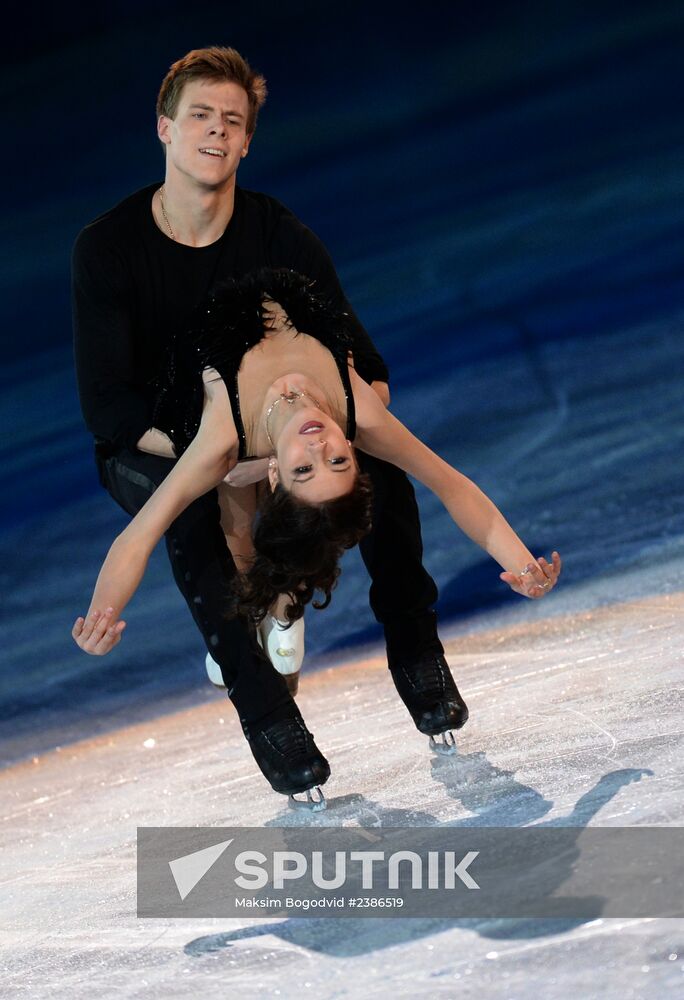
(203, 465)
(380, 434)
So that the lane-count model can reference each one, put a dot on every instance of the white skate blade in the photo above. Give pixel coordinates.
(309, 804)
(214, 672)
(446, 746)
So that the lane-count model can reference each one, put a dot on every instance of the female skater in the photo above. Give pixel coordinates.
(268, 374)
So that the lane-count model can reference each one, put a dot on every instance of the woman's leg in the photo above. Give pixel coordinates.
(284, 647)
(238, 508)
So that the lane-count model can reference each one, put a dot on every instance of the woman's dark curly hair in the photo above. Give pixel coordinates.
(298, 546)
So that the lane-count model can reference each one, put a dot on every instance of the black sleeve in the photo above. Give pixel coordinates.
(114, 406)
(295, 246)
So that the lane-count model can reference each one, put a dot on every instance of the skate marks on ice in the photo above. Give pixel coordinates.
(567, 719)
(524, 941)
(553, 702)
(505, 802)
(438, 958)
(493, 796)
(566, 730)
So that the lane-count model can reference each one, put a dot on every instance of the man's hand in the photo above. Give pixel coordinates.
(536, 579)
(156, 442)
(98, 634)
(245, 473)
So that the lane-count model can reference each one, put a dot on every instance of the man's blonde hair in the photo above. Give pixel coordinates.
(213, 63)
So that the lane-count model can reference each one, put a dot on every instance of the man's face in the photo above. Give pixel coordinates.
(207, 139)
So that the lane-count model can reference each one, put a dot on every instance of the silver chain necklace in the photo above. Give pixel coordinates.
(290, 398)
(166, 218)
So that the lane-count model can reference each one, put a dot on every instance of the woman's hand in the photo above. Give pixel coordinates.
(123, 569)
(98, 633)
(536, 579)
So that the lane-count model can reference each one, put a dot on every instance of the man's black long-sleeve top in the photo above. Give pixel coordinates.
(133, 288)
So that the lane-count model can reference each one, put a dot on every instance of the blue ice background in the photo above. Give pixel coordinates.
(501, 190)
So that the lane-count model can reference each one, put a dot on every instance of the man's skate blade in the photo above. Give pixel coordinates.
(309, 804)
(445, 747)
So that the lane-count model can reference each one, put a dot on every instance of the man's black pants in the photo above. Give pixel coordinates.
(401, 593)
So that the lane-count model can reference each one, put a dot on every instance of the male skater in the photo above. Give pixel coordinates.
(139, 273)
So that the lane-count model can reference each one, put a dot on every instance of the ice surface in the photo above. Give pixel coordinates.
(575, 719)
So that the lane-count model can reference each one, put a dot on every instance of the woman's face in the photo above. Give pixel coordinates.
(314, 461)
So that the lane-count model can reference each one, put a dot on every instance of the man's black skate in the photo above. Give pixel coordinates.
(290, 760)
(429, 692)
